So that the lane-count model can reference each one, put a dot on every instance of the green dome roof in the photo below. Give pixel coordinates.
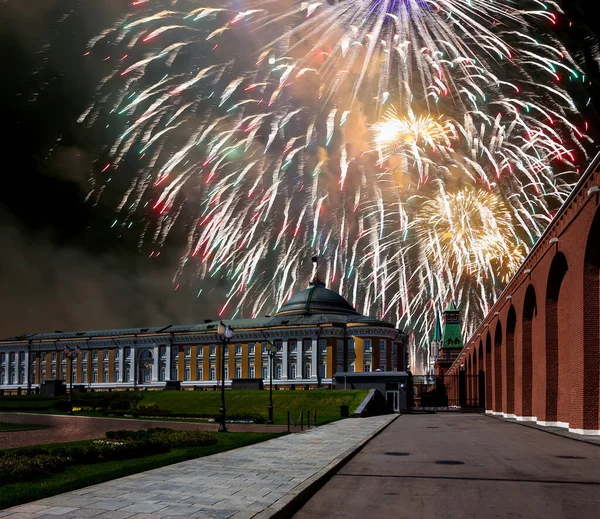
(317, 299)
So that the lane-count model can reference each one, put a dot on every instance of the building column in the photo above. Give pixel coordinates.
(300, 358)
(133, 366)
(155, 362)
(315, 355)
(284, 359)
(121, 365)
(26, 381)
(168, 363)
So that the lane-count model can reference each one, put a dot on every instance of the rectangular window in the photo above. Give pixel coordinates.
(278, 371)
(251, 349)
(367, 344)
(199, 374)
(265, 372)
(212, 374)
(226, 373)
(264, 347)
(307, 346)
(63, 374)
(367, 368)
(188, 374)
(53, 356)
(127, 352)
(22, 377)
(95, 377)
(213, 351)
(74, 376)
(279, 345)
(105, 354)
(238, 372)
(323, 345)
(162, 351)
(238, 349)
(105, 376)
(117, 374)
(162, 375)
(293, 347)
(293, 371)
(322, 370)
(43, 357)
(95, 355)
(307, 371)
(117, 354)
(53, 375)
(188, 351)
(251, 372)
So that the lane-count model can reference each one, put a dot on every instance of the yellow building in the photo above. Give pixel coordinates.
(316, 334)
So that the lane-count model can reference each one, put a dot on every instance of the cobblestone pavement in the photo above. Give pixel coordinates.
(257, 480)
(71, 428)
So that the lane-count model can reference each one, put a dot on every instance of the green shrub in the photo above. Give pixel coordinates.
(26, 468)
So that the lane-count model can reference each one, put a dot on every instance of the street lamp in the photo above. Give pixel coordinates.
(225, 333)
(272, 351)
(68, 353)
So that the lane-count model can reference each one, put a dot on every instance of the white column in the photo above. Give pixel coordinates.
(168, 365)
(284, 359)
(315, 353)
(133, 365)
(300, 358)
(121, 364)
(26, 381)
(155, 363)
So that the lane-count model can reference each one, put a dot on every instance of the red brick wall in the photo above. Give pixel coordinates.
(560, 380)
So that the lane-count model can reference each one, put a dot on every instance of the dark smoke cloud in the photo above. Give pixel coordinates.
(47, 286)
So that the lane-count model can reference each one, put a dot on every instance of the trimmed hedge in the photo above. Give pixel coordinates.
(163, 413)
(166, 437)
(27, 468)
(29, 463)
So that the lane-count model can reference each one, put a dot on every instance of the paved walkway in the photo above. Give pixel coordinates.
(71, 428)
(254, 481)
(454, 466)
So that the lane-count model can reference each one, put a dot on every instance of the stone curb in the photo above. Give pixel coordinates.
(289, 504)
(537, 427)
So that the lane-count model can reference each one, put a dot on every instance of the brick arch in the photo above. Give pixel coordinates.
(498, 367)
(591, 327)
(488, 372)
(469, 373)
(481, 375)
(529, 312)
(509, 366)
(554, 320)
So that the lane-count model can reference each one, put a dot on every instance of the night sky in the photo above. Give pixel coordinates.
(62, 266)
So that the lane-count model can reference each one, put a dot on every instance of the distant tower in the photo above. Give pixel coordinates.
(434, 347)
(452, 343)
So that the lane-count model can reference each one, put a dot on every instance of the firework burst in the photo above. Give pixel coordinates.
(267, 134)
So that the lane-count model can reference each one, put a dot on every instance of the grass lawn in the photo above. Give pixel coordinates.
(9, 426)
(80, 476)
(327, 403)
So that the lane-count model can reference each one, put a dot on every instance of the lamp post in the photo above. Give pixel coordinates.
(68, 353)
(272, 351)
(225, 333)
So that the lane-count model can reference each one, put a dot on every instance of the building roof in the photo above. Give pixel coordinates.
(437, 331)
(452, 307)
(314, 306)
(317, 299)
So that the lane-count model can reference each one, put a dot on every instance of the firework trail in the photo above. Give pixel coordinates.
(419, 147)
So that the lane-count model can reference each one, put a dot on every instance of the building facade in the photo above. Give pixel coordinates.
(316, 333)
(538, 349)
